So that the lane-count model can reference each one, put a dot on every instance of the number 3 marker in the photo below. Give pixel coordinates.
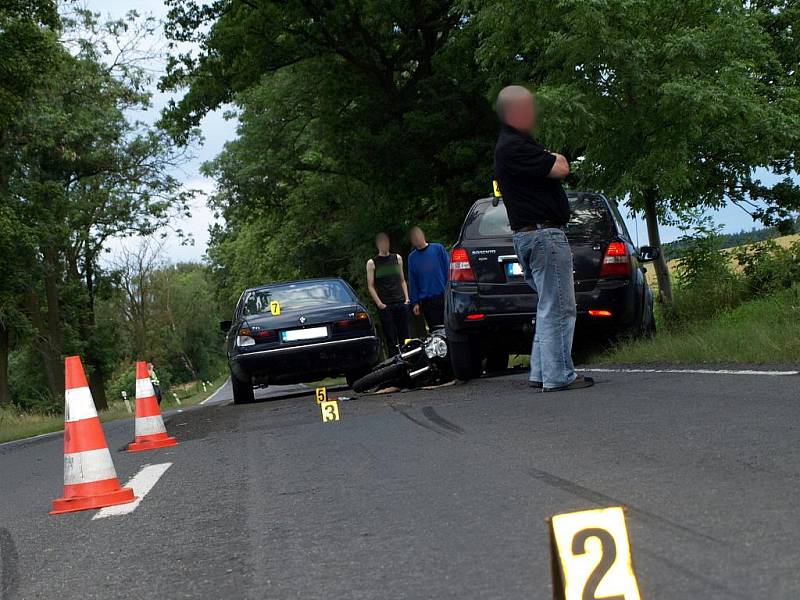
(330, 411)
(592, 556)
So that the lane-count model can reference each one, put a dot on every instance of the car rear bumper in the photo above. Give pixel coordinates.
(467, 310)
(297, 364)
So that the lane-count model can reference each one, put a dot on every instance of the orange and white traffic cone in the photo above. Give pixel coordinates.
(90, 480)
(150, 431)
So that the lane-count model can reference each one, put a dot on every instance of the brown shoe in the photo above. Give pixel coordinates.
(580, 382)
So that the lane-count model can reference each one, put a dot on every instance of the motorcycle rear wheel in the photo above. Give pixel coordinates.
(381, 377)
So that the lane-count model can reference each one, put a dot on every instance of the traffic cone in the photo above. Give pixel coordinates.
(90, 480)
(150, 431)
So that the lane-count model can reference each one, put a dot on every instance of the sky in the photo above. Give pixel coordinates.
(216, 130)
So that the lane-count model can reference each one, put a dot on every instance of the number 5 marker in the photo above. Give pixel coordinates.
(321, 395)
(591, 555)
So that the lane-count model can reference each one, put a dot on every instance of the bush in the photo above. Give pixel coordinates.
(768, 267)
(706, 283)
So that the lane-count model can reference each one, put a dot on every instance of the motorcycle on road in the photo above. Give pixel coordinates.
(422, 361)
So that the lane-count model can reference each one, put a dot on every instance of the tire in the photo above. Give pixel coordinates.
(380, 377)
(496, 361)
(242, 391)
(353, 376)
(465, 359)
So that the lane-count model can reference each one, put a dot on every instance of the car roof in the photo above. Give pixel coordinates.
(574, 194)
(291, 281)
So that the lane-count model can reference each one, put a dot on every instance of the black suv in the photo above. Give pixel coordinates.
(490, 311)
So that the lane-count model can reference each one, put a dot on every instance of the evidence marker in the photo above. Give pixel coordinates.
(321, 394)
(275, 308)
(330, 411)
(591, 556)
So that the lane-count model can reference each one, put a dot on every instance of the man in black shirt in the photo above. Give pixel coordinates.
(530, 181)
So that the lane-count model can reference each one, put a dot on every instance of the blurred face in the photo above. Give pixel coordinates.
(417, 238)
(521, 113)
(382, 243)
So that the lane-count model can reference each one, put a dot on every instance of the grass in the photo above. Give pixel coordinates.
(761, 331)
(15, 424)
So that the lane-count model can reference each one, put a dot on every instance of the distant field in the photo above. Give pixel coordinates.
(785, 241)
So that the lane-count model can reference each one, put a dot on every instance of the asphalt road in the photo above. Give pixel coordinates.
(430, 494)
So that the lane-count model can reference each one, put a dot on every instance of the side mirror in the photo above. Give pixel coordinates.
(648, 253)
(225, 326)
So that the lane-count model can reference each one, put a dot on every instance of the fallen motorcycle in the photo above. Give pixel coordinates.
(422, 361)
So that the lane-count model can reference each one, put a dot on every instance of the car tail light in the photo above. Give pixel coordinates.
(269, 335)
(617, 261)
(244, 338)
(460, 269)
(599, 313)
(476, 317)
(360, 320)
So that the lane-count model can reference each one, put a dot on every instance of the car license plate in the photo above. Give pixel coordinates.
(296, 335)
(513, 269)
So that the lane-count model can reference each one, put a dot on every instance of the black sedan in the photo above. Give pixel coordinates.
(296, 332)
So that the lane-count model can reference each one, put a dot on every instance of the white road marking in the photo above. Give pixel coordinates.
(697, 371)
(214, 395)
(141, 483)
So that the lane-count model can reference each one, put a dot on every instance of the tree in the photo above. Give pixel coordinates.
(28, 45)
(668, 104)
(354, 117)
(85, 173)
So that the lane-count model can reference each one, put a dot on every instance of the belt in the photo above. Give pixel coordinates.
(537, 226)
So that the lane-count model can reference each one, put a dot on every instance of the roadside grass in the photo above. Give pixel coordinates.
(761, 331)
(16, 424)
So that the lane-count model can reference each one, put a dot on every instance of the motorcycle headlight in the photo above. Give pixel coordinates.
(436, 346)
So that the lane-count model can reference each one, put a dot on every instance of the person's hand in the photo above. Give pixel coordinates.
(381, 306)
(416, 309)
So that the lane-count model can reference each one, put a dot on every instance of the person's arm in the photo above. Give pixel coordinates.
(560, 168)
(403, 278)
(371, 285)
(412, 281)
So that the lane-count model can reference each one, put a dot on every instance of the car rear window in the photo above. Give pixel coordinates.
(589, 219)
(300, 295)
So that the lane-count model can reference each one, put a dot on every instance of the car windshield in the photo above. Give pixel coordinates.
(589, 219)
(296, 296)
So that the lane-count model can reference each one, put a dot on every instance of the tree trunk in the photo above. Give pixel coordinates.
(5, 348)
(660, 264)
(54, 337)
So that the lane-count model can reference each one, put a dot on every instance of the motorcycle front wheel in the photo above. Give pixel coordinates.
(383, 376)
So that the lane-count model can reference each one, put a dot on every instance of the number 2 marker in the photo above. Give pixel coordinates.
(591, 552)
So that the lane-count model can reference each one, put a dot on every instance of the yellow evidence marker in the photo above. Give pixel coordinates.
(591, 554)
(330, 410)
(275, 308)
(496, 187)
(321, 394)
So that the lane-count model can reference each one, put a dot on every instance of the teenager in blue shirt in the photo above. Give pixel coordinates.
(428, 266)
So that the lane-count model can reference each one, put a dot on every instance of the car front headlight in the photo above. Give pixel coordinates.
(436, 346)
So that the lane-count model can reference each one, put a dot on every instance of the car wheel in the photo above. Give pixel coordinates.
(242, 391)
(496, 361)
(465, 359)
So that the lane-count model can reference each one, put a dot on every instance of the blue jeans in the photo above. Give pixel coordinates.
(546, 260)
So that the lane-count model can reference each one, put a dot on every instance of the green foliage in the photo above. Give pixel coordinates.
(707, 285)
(768, 267)
(680, 98)
(354, 118)
(763, 330)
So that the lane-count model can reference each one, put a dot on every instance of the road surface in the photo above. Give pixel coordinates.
(429, 494)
